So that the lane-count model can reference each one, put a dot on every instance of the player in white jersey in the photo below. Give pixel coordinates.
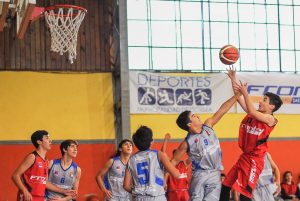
(64, 172)
(110, 177)
(203, 148)
(266, 187)
(144, 175)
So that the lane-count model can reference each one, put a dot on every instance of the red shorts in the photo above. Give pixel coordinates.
(244, 175)
(182, 195)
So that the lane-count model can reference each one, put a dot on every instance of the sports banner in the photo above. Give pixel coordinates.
(163, 93)
(174, 93)
(287, 86)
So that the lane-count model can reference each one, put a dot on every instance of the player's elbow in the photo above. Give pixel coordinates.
(14, 177)
(251, 111)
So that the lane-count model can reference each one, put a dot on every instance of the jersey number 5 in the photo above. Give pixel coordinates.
(143, 173)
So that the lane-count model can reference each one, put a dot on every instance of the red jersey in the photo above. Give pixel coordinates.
(181, 183)
(253, 136)
(178, 188)
(290, 189)
(35, 177)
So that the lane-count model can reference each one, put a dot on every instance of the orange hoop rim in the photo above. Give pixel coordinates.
(65, 6)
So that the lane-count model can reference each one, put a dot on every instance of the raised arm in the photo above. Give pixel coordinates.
(166, 139)
(99, 178)
(221, 111)
(168, 165)
(231, 72)
(266, 118)
(182, 149)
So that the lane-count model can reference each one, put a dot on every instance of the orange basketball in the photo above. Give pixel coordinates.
(229, 54)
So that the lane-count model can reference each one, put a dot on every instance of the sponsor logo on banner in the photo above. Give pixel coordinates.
(160, 93)
(290, 94)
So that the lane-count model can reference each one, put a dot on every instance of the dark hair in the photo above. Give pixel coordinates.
(183, 120)
(65, 144)
(142, 138)
(37, 135)
(223, 175)
(284, 175)
(274, 100)
(121, 144)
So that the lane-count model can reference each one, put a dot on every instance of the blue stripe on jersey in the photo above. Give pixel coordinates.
(106, 183)
(159, 181)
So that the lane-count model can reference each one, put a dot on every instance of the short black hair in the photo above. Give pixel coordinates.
(38, 135)
(121, 144)
(223, 175)
(65, 144)
(274, 100)
(183, 119)
(142, 138)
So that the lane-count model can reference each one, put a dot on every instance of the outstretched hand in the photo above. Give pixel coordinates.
(243, 87)
(231, 72)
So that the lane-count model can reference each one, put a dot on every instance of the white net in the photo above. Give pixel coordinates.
(64, 26)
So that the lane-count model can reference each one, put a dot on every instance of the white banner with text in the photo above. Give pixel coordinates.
(162, 93)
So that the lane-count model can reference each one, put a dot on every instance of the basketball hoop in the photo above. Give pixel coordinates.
(64, 22)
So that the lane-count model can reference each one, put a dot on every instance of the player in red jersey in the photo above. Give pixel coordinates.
(177, 189)
(254, 131)
(31, 175)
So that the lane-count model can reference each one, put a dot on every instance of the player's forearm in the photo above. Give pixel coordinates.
(100, 183)
(249, 104)
(54, 188)
(225, 107)
(277, 175)
(17, 181)
(164, 146)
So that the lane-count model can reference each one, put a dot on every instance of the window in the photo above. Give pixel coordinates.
(188, 34)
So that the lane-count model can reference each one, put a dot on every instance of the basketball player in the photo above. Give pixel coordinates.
(203, 148)
(266, 187)
(113, 174)
(31, 175)
(254, 131)
(64, 172)
(144, 175)
(177, 189)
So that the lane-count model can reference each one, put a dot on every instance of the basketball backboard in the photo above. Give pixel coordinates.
(24, 11)
(3, 12)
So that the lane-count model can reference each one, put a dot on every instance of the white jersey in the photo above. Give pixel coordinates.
(266, 176)
(265, 187)
(64, 179)
(204, 150)
(147, 174)
(114, 180)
